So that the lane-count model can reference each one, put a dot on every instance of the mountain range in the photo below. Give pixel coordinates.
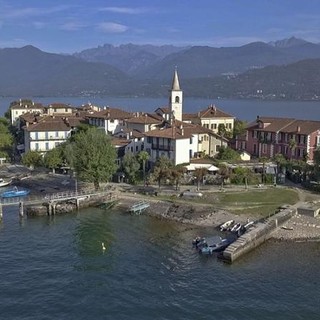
(284, 69)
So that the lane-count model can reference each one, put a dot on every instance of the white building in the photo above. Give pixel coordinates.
(24, 106)
(48, 132)
(111, 120)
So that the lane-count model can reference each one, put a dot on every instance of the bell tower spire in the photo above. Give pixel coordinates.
(176, 98)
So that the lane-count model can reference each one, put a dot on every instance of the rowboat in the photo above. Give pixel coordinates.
(226, 225)
(4, 183)
(15, 193)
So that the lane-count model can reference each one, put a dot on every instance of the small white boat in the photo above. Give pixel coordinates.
(236, 227)
(286, 228)
(248, 225)
(226, 225)
(4, 183)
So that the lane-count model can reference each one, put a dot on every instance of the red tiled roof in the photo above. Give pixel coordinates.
(146, 118)
(110, 113)
(287, 125)
(213, 112)
(119, 142)
(49, 123)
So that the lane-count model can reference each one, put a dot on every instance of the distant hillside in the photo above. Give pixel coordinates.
(152, 62)
(296, 81)
(29, 71)
(256, 70)
(129, 58)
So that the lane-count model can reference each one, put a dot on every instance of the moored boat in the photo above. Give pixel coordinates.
(225, 226)
(217, 247)
(236, 227)
(4, 183)
(15, 193)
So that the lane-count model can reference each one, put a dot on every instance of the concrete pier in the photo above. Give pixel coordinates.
(256, 236)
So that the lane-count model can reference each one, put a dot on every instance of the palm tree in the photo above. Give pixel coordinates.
(224, 173)
(162, 169)
(143, 157)
(176, 174)
(292, 145)
(264, 160)
(199, 174)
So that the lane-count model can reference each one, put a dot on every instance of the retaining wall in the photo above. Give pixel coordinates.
(256, 236)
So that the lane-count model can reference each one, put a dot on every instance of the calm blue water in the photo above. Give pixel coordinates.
(242, 109)
(54, 268)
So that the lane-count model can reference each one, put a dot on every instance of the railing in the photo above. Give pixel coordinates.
(53, 196)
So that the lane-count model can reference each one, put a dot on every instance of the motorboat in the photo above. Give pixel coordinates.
(225, 226)
(15, 192)
(4, 183)
(217, 247)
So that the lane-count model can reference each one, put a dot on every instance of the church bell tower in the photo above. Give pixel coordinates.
(176, 97)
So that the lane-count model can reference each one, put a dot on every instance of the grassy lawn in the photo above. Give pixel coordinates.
(261, 202)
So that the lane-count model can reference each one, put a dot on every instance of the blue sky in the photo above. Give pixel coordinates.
(73, 25)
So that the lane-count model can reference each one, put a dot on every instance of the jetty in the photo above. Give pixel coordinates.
(50, 201)
(257, 235)
(138, 207)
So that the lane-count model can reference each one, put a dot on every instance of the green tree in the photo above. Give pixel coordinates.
(224, 173)
(130, 166)
(227, 153)
(162, 169)
(32, 159)
(6, 138)
(239, 128)
(53, 158)
(176, 175)
(242, 175)
(199, 174)
(92, 156)
(143, 157)
(292, 145)
(263, 160)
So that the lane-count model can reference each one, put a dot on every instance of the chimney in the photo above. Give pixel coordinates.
(182, 130)
(298, 129)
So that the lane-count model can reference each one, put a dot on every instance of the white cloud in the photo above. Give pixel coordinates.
(72, 26)
(12, 12)
(112, 27)
(124, 10)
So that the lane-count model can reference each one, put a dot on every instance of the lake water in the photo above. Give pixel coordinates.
(242, 109)
(54, 268)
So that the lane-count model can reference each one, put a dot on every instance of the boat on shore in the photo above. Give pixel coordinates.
(15, 192)
(225, 226)
(4, 183)
(236, 227)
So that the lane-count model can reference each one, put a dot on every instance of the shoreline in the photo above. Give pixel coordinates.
(304, 228)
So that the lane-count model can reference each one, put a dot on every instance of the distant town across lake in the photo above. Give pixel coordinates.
(242, 109)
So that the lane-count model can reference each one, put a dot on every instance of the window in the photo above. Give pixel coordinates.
(57, 134)
(46, 135)
(37, 146)
(191, 140)
(47, 145)
(215, 126)
(177, 99)
(211, 126)
(66, 110)
(37, 135)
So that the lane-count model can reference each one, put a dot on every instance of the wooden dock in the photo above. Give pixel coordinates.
(138, 207)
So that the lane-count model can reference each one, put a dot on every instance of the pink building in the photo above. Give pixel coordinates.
(294, 139)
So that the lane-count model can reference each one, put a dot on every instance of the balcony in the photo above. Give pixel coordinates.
(162, 147)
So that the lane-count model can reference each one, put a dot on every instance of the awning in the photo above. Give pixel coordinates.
(209, 167)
